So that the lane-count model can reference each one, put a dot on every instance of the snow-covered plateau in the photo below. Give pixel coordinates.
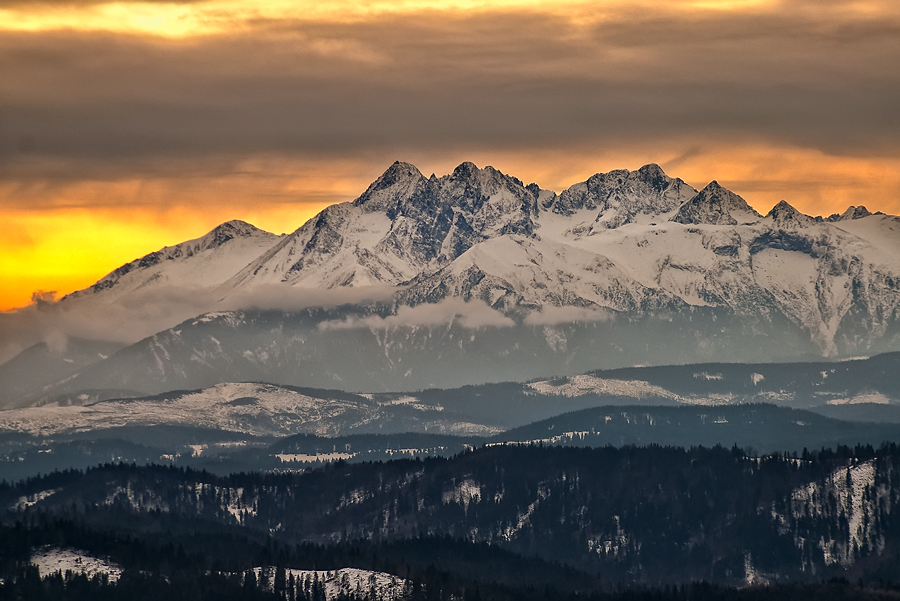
(255, 410)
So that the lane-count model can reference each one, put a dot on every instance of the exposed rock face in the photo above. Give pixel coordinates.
(715, 205)
(402, 225)
(621, 196)
(784, 216)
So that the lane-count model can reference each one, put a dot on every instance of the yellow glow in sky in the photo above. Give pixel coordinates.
(176, 20)
(68, 235)
(69, 249)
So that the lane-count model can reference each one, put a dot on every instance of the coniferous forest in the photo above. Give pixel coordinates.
(503, 522)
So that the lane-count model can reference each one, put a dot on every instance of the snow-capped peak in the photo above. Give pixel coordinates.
(622, 196)
(491, 199)
(466, 169)
(203, 258)
(402, 225)
(653, 172)
(229, 231)
(395, 186)
(785, 216)
(852, 213)
(715, 205)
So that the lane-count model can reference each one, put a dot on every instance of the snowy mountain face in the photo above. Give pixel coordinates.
(402, 225)
(621, 197)
(41, 363)
(714, 205)
(490, 279)
(201, 263)
(625, 242)
(136, 300)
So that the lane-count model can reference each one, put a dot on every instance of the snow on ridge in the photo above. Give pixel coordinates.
(875, 398)
(51, 560)
(307, 458)
(343, 581)
(576, 386)
(201, 263)
(26, 501)
(248, 408)
(564, 437)
(710, 400)
(231, 318)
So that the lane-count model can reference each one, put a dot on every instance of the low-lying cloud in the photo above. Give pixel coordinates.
(551, 316)
(281, 297)
(134, 318)
(145, 312)
(471, 315)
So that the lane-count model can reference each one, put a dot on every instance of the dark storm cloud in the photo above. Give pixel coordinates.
(76, 106)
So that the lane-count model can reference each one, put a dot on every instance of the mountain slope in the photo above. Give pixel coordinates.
(401, 225)
(41, 362)
(204, 262)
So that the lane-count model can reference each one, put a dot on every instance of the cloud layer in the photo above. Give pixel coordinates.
(472, 315)
(107, 106)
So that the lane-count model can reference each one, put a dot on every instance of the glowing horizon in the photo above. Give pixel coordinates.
(178, 20)
(44, 261)
(129, 126)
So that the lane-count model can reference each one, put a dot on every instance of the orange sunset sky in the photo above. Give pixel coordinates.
(127, 126)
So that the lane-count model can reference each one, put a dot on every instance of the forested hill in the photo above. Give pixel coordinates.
(648, 515)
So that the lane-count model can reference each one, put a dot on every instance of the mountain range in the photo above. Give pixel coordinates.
(475, 277)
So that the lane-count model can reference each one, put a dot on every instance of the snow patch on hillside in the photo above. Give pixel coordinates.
(51, 560)
(26, 501)
(876, 398)
(306, 458)
(576, 386)
(613, 544)
(343, 581)
(463, 493)
(524, 518)
(851, 493)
